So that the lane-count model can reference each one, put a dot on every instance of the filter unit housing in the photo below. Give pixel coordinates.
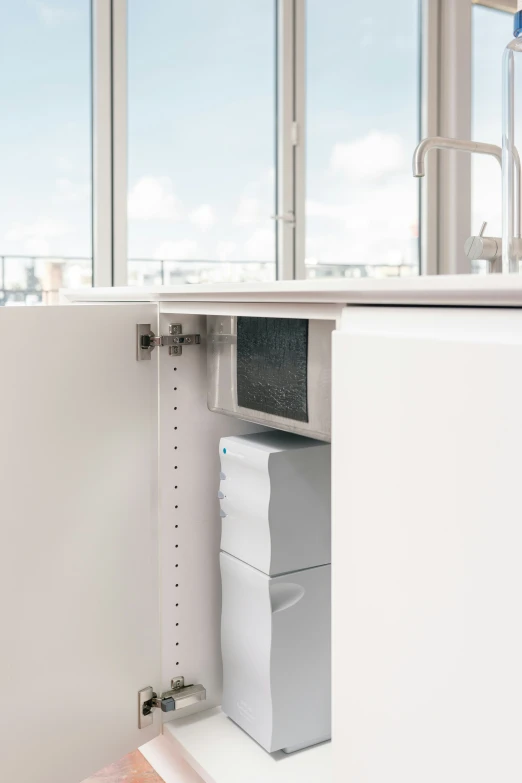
(275, 501)
(275, 637)
(275, 628)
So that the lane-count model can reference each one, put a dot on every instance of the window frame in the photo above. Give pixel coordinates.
(447, 101)
(445, 109)
(429, 120)
(290, 138)
(109, 141)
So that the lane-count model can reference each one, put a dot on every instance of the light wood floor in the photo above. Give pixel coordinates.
(134, 768)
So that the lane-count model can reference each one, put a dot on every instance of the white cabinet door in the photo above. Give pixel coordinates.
(78, 539)
(427, 509)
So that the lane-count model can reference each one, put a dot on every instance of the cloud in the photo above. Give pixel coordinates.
(203, 217)
(37, 247)
(153, 198)
(369, 158)
(34, 237)
(269, 176)
(257, 202)
(260, 246)
(226, 250)
(180, 250)
(73, 191)
(374, 225)
(331, 211)
(42, 228)
(248, 212)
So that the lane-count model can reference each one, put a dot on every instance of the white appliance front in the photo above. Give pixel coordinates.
(275, 636)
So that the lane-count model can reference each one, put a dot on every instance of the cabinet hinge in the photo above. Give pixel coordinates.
(179, 697)
(175, 340)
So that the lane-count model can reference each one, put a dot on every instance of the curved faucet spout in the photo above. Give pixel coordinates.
(443, 143)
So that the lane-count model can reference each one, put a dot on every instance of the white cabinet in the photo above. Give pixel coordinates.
(80, 625)
(427, 512)
(109, 532)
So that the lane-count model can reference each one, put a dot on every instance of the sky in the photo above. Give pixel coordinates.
(362, 127)
(201, 119)
(201, 129)
(212, 177)
(45, 133)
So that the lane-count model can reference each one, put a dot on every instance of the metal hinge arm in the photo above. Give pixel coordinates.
(147, 341)
(179, 696)
(183, 339)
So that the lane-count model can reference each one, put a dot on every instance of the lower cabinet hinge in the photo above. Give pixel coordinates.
(179, 696)
(174, 340)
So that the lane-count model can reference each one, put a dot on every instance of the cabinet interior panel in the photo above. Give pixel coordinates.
(190, 524)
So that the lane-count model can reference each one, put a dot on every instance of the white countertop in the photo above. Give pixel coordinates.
(463, 290)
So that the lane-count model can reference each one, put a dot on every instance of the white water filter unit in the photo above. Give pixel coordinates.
(275, 567)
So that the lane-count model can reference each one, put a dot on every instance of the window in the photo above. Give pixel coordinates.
(201, 141)
(492, 31)
(45, 143)
(362, 124)
(242, 141)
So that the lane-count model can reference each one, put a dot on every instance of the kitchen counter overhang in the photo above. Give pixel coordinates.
(450, 290)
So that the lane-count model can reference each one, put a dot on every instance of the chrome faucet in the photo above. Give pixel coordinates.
(490, 247)
(481, 248)
(442, 143)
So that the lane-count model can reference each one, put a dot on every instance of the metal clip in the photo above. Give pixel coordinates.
(174, 340)
(179, 697)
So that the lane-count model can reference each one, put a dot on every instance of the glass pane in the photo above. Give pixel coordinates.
(201, 141)
(45, 150)
(492, 31)
(362, 126)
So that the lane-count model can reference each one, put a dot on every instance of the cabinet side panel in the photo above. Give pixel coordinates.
(190, 525)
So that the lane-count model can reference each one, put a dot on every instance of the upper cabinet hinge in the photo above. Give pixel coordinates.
(295, 134)
(175, 340)
(179, 696)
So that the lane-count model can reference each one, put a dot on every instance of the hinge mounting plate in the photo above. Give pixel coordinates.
(179, 696)
(146, 340)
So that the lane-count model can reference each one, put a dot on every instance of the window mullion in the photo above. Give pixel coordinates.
(102, 143)
(285, 145)
(300, 136)
(430, 126)
(119, 135)
(455, 122)
(446, 111)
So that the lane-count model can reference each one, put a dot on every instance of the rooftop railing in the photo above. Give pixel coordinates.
(35, 279)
